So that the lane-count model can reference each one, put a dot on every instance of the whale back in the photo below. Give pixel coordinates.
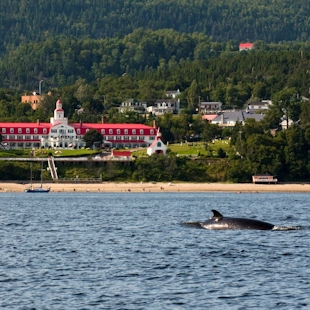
(218, 221)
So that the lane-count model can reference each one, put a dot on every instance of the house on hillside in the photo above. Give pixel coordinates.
(210, 107)
(133, 105)
(229, 119)
(34, 99)
(246, 46)
(163, 106)
(261, 105)
(173, 93)
(209, 117)
(158, 146)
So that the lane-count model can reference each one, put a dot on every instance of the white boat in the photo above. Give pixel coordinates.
(39, 189)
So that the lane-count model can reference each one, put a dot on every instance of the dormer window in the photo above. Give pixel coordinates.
(44, 130)
(118, 131)
(3, 130)
(141, 131)
(126, 131)
(11, 130)
(20, 130)
(36, 130)
(78, 131)
(102, 131)
(27, 130)
(110, 131)
(133, 131)
(152, 131)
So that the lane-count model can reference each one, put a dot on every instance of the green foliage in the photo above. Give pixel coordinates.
(224, 20)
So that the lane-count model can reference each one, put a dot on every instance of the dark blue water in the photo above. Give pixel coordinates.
(131, 251)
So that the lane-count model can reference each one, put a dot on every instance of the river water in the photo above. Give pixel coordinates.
(133, 251)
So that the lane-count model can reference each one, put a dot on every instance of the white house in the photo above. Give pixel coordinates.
(163, 106)
(133, 105)
(173, 93)
(207, 107)
(158, 146)
(261, 105)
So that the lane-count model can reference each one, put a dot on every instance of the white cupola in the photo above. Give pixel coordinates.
(59, 115)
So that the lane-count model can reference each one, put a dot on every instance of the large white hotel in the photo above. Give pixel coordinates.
(60, 134)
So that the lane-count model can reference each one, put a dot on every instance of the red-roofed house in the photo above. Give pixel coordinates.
(158, 146)
(209, 117)
(61, 134)
(246, 46)
(121, 154)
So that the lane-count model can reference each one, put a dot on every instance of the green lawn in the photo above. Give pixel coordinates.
(183, 149)
(45, 153)
(193, 149)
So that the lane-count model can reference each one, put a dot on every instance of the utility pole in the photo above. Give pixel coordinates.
(40, 83)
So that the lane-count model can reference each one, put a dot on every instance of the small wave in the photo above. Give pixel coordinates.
(284, 228)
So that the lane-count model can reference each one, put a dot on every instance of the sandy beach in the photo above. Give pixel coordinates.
(158, 187)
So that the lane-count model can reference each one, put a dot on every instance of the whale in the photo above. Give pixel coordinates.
(220, 222)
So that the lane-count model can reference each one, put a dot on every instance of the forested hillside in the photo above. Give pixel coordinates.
(145, 63)
(35, 20)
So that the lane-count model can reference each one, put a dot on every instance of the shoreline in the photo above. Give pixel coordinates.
(158, 187)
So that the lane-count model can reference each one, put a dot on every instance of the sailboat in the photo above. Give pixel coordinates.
(40, 189)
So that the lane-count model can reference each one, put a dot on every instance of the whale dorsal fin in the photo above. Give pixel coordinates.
(217, 215)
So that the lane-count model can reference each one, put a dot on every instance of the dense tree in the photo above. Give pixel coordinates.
(93, 138)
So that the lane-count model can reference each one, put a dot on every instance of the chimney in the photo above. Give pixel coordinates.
(38, 122)
(103, 119)
(80, 122)
(154, 123)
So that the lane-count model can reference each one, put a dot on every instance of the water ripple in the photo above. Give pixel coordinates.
(129, 251)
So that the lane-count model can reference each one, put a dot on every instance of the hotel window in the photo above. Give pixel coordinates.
(44, 130)
(141, 131)
(70, 130)
(11, 130)
(110, 138)
(54, 131)
(20, 130)
(62, 131)
(126, 131)
(27, 130)
(3, 130)
(126, 138)
(36, 137)
(133, 131)
(27, 137)
(111, 131)
(133, 138)
(36, 130)
(19, 137)
(102, 131)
